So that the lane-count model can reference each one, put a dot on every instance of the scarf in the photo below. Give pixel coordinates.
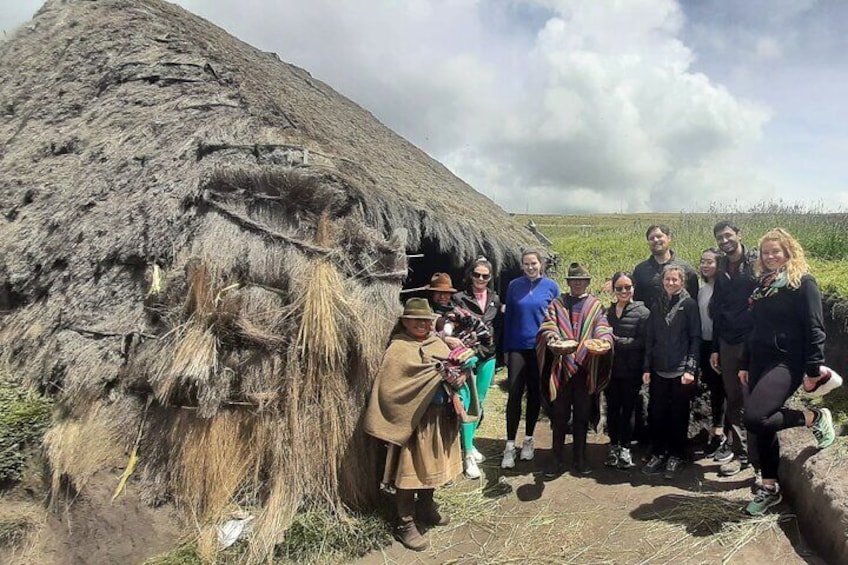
(590, 323)
(769, 284)
(672, 309)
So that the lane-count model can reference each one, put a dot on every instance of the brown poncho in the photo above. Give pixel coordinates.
(423, 437)
(405, 385)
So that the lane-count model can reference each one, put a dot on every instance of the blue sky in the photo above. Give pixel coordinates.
(574, 106)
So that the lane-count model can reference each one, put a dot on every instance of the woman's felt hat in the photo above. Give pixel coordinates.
(441, 282)
(418, 309)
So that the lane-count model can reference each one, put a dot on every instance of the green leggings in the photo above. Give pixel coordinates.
(483, 377)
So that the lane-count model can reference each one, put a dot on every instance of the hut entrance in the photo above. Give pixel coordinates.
(429, 259)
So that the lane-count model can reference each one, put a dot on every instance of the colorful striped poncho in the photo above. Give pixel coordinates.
(587, 321)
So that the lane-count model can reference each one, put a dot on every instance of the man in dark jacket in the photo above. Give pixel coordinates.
(647, 275)
(734, 283)
(647, 283)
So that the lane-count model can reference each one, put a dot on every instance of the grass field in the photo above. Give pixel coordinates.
(610, 243)
(615, 242)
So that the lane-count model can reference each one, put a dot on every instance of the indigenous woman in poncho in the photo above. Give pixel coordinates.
(574, 347)
(410, 409)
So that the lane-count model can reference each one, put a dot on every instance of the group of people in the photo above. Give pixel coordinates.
(748, 323)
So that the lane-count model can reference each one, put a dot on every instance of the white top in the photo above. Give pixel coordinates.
(705, 293)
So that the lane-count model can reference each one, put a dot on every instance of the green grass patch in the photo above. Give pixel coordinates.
(317, 535)
(24, 417)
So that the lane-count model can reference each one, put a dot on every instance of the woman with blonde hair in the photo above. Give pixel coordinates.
(785, 349)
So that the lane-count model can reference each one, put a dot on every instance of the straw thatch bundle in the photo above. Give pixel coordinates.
(201, 249)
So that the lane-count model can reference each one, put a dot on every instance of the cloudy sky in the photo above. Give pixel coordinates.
(572, 106)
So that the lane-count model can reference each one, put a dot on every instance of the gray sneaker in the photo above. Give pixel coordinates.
(823, 428)
(733, 467)
(724, 453)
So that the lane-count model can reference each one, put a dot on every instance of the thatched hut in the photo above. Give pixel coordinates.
(201, 249)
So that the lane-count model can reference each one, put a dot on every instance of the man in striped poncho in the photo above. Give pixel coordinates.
(574, 346)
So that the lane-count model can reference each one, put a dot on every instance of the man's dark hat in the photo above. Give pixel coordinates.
(577, 271)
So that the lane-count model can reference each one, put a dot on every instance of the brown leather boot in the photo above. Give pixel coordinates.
(426, 511)
(407, 534)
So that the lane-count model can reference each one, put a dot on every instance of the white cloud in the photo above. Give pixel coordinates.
(557, 105)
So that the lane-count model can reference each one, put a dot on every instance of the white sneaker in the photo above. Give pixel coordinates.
(508, 461)
(478, 457)
(527, 449)
(472, 471)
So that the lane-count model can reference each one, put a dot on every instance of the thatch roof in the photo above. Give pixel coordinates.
(200, 252)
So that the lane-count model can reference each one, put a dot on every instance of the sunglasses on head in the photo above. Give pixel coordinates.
(484, 276)
(624, 288)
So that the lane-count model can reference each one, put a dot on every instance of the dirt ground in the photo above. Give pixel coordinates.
(92, 529)
(610, 516)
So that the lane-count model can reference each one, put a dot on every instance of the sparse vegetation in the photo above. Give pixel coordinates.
(24, 416)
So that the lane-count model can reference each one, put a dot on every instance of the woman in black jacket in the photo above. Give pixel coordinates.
(671, 361)
(629, 321)
(483, 303)
(785, 349)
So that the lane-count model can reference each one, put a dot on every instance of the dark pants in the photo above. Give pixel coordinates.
(729, 357)
(670, 404)
(622, 396)
(765, 414)
(522, 371)
(715, 384)
(573, 402)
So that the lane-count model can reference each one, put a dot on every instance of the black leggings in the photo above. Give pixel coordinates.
(765, 414)
(522, 371)
(622, 396)
(715, 383)
(670, 402)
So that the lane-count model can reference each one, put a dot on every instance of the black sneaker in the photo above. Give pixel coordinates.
(672, 467)
(556, 468)
(655, 465)
(612, 456)
(724, 453)
(713, 445)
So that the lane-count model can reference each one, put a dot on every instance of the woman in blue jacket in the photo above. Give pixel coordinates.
(527, 300)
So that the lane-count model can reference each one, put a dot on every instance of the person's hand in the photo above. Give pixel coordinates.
(743, 377)
(606, 288)
(714, 362)
(687, 378)
(646, 378)
(453, 342)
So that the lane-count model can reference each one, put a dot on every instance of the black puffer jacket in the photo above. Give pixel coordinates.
(491, 316)
(674, 341)
(630, 332)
